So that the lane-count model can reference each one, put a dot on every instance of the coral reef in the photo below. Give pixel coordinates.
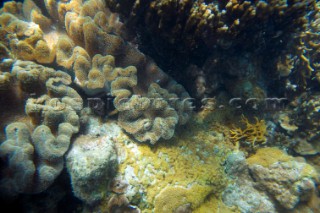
(150, 170)
(301, 122)
(218, 33)
(91, 163)
(153, 115)
(86, 108)
(305, 54)
(242, 192)
(38, 149)
(91, 30)
(192, 23)
(273, 175)
(26, 39)
(34, 160)
(286, 180)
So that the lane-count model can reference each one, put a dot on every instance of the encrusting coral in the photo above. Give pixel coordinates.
(191, 162)
(241, 191)
(270, 174)
(288, 181)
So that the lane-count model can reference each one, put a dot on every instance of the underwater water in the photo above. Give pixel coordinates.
(160, 106)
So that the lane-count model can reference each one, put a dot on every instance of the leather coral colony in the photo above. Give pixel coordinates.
(89, 43)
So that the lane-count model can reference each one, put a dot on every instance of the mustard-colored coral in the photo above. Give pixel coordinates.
(252, 132)
(288, 181)
(26, 38)
(171, 197)
(268, 156)
(185, 163)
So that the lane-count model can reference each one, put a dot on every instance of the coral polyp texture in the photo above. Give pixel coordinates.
(150, 116)
(91, 47)
(37, 149)
(34, 160)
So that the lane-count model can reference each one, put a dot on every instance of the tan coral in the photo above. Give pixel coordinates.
(33, 13)
(171, 198)
(32, 77)
(286, 124)
(40, 158)
(5, 81)
(91, 30)
(149, 117)
(26, 39)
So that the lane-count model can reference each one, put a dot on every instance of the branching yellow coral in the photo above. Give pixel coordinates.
(252, 133)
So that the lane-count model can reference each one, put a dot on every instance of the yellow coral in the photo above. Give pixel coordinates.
(170, 198)
(268, 156)
(253, 132)
(184, 163)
